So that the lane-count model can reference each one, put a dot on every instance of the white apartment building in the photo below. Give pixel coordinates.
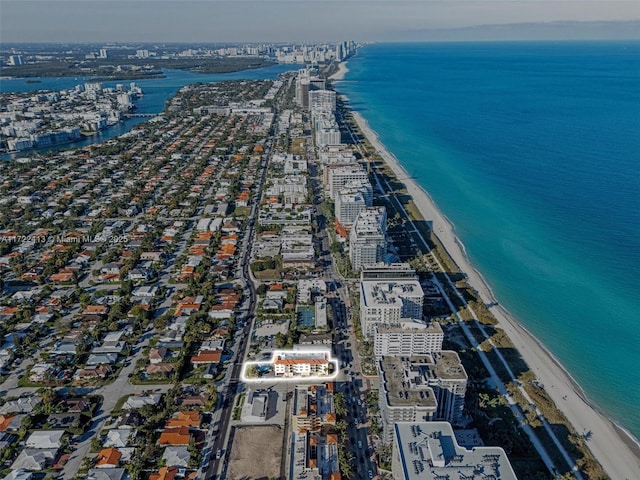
(339, 176)
(302, 88)
(421, 388)
(327, 133)
(407, 338)
(322, 100)
(293, 188)
(336, 154)
(301, 364)
(400, 399)
(430, 451)
(351, 200)
(368, 237)
(389, 303)
(348, 206)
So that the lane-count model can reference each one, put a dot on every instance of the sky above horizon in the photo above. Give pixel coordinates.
(312, 20)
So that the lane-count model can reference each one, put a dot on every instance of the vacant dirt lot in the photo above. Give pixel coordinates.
(298, 146)
(256, 453)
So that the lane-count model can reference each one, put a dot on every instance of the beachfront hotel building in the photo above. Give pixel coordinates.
(327, 133)
(389, 303)
(301, 364)
(302, 88)
(368, 238)
(430, 451)
(351, 200)
(421, 388)
(338, 176)
(407, 338)
(324, 100)
(332, 154)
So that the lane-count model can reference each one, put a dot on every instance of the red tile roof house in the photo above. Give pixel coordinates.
(165, 473)
(96, 310)
(100, 371)
(108, 458)
(188, 419)
(156, 368)
(207, 356)
(175, 436)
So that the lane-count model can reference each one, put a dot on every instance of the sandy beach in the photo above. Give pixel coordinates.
(616, 450)
(342, 71)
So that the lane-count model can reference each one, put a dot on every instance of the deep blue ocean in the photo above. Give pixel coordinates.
(532, 150)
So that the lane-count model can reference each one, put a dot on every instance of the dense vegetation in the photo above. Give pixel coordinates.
(137, 68)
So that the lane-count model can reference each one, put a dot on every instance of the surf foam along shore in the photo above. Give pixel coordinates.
(617, 451)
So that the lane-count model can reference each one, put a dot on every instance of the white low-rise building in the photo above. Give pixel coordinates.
(301, 364)
(45, 439)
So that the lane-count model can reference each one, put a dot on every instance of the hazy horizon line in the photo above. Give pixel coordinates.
(552, 30)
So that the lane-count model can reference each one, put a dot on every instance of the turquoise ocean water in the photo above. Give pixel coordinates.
(532, 150)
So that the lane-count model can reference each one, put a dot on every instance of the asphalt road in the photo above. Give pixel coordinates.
(218, 440)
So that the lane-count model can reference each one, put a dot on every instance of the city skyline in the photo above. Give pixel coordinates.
(320, 20)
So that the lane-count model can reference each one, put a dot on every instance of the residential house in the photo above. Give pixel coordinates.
(95, 310)
(102, 359)
(193, 400)
(10, 422)
(156, 368)
(44, 439)
(108, 458)
(111, 271)
(107, 474)
(207, 356)
(130, 420)
(17, 474)
(138, 401)
(156, 355)
(119, 437)
(63, 421)
(177, 456)
(77, 405)
(165, 473)
(175, 436)
(35, 459)
(189, 419)
(141, 274)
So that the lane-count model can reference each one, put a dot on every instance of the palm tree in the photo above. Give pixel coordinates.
(212, 401)
(345, 462)
(339, 404)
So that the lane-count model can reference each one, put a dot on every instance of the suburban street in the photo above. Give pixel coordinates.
(218, 438)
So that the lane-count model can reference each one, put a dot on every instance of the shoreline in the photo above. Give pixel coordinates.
(614, 447)
(342, 71)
